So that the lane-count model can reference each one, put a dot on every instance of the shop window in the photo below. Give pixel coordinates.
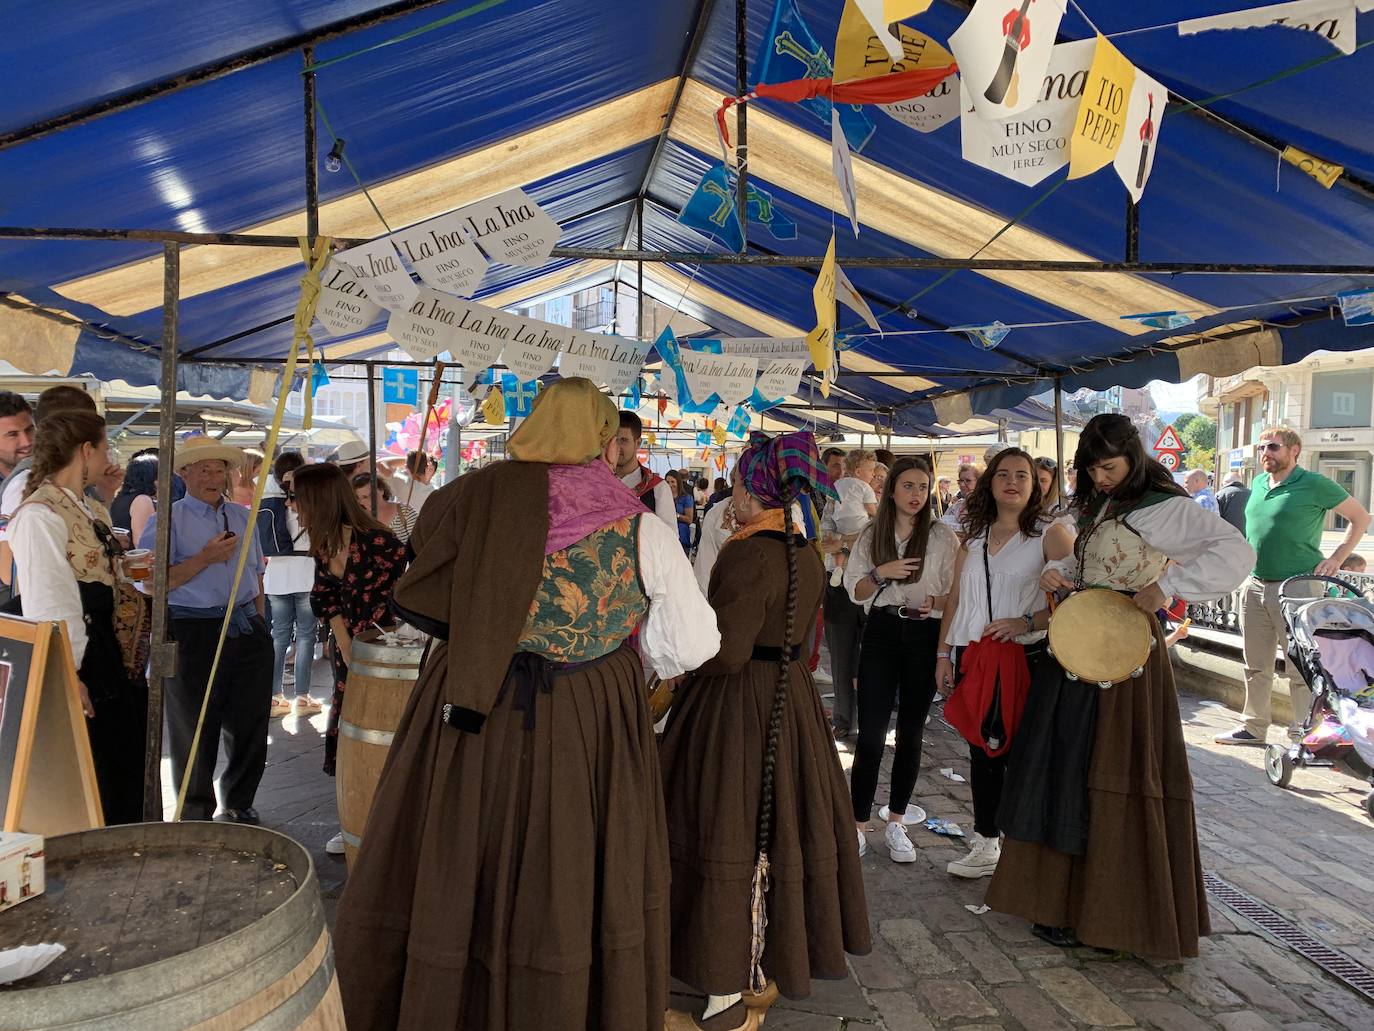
(1342, 399)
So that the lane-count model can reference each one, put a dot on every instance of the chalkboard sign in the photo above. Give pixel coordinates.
(47, 777)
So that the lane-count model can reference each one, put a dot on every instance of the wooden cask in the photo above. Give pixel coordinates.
(175, 926)
(381, 678)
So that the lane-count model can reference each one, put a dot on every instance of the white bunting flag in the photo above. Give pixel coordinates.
(440, 251)
(1332, 20)
(511, 228)
(426, 329)
(929, 111)
(1141, 140)
(344, 306)
(729, 376)
(843, 167)
(378, 269)
(1003, 52)
(608, 361)
(781, 377)
(767, 348)
(853, 300)
(1035, 143)
(533, 347)
(877, 18)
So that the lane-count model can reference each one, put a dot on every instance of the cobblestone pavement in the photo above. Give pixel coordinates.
(1305, 852)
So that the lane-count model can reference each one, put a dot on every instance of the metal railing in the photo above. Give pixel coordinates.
(1223, 615)
(595, 315)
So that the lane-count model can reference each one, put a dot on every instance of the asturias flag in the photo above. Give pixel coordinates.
(711, 209)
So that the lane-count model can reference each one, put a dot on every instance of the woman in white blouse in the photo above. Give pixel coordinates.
(996, 598)
(900, 571)
(67, 558)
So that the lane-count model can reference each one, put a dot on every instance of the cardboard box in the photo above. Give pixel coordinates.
(21, 868)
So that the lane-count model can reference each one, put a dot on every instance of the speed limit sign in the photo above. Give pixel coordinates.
(1169, 459)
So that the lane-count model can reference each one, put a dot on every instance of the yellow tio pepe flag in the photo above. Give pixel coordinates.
(1325, 172)
(861, 54)
(494, 408)
(1100, 125)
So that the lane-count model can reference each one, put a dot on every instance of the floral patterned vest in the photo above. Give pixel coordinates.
(591, 597)
(90, 564)
(1111, 554)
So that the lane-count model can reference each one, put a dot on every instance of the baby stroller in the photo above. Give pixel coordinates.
(1331, 644)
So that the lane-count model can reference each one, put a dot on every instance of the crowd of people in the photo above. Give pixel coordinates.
(534, 846)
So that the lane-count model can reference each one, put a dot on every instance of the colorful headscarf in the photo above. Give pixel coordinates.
(770, 465)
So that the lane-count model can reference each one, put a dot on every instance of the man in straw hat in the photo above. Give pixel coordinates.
(207, 532)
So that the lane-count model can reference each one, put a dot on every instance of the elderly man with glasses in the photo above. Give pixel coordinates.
(1283, 523)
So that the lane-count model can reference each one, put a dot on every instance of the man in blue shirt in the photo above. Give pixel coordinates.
(207, 534)
(1196, 484)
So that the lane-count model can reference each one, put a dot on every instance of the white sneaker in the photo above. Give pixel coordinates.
(863, 842)
(899, 846)
(822, 676)
(335, 845)
(981, 860)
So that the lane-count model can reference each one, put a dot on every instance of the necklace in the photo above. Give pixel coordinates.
(996, 545)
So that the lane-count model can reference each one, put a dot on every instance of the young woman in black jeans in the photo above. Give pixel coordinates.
(900, 571)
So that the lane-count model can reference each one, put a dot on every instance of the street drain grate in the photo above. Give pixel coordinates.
(1334, 962)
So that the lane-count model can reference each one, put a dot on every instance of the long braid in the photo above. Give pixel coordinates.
(765, 824)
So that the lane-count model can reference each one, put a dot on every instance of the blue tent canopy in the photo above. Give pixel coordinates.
(599, 109)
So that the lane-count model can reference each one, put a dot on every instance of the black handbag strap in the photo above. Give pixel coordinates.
(987, 569)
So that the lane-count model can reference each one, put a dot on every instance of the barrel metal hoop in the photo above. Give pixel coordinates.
(364, 669)
(366, 736)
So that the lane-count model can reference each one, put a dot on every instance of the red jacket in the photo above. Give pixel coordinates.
(987, 702)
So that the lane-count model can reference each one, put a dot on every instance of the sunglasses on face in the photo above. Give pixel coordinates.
(290, 495)
(1269, 445)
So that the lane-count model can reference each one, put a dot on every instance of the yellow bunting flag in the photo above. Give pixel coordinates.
(494, 408)
(1325, 172)
(651, 439)
(1100, 125)
(718, 435)
(861, 54)
(821, 340)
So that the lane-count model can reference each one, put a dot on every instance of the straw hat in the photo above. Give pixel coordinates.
(205, 449)
(351, 453)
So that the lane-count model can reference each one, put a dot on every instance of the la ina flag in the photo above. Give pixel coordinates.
(1330, 20)
(1143, 115)
(1100, 126)
(790, 51)
(1003, 48)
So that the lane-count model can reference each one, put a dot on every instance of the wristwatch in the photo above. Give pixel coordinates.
(1030, 622)
(878, 581)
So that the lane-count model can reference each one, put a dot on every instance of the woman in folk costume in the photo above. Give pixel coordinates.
(759, 823)
(1101, 843)
(515, 870)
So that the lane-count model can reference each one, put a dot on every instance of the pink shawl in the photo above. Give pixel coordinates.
(583, 499)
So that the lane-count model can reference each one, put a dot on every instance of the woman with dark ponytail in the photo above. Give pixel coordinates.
(750, 771)
(1101, 846)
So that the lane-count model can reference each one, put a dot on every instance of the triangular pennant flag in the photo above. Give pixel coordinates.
(1144, 114)
(1325, 172)
(987, 337)
(847, 295)
(1100, 125)
(843, 169)
(494, 408)
(1162, 319)
(1357, 307)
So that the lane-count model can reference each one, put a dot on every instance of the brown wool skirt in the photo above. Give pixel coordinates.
(514, 879)
(1138, 887)
(712, 757)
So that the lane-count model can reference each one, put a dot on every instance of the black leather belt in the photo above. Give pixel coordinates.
(773, 653)
(898, 611)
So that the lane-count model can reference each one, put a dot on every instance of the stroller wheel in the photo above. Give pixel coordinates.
(1278, 765)
(1369, 804)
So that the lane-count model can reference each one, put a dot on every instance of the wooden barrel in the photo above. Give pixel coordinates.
(171, 926)
(381, 677)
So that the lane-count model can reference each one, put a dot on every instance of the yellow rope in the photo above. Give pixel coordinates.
(315, 261)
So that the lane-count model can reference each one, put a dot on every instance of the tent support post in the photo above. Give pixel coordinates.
(1132, 230)
(372, 427)
(1059, 429)
(312, 168)
(742, 121)
(163, 653)
(639, 267)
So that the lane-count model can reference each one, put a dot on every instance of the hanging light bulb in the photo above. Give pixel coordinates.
(334, 159)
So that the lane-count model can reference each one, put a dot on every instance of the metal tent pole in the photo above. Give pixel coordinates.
(312, 168)
(163, 652)
(742, 121)
(372, 427)
(1059, 430)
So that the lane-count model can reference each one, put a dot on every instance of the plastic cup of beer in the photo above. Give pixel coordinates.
(138, 564)
(123, 536)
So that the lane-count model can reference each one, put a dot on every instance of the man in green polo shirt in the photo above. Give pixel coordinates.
(1283, 523)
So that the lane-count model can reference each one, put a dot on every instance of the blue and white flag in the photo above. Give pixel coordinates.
(790, 52)
(667, 346)
(711, 210)
(1162, 319)
(519, 396)
(1357, 307)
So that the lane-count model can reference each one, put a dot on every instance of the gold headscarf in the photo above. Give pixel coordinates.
(570, 423)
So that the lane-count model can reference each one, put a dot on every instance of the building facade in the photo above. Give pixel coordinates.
(1327, 398)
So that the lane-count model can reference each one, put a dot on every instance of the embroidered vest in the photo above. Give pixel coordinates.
(648, 480)
(590, 597)
(1111, 554)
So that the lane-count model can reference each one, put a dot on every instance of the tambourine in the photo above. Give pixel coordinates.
(1100, 637)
